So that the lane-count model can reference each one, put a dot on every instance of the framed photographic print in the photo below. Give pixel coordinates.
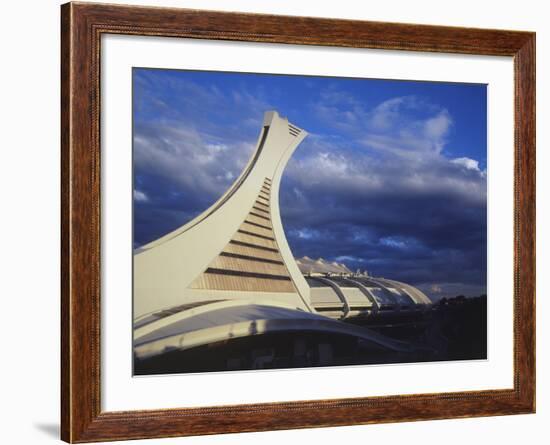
(279, 222)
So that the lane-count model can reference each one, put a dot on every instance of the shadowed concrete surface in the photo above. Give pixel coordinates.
(455, 329)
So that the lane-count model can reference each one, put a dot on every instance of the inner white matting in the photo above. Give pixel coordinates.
(121, 391)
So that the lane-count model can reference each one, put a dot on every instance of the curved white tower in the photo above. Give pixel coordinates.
(234, 250)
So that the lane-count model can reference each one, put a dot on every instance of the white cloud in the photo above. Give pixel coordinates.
(306, 233)
(404, 140)
(467, 163)
(395, 165)
(140, 196)
(407, 137)
(185, 156)
(355, 259)
(384, 115)
(394, 242)
(438, 126)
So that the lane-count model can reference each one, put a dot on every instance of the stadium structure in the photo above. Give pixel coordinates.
(224, 291)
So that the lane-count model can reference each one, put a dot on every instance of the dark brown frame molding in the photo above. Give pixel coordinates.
(82, 25)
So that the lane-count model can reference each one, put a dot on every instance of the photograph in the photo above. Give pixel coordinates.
(283, 219)
(292, 221)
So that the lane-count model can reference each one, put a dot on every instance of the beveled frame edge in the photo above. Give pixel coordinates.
(82, 25)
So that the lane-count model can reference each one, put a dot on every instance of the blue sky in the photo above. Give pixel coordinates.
(391, 179)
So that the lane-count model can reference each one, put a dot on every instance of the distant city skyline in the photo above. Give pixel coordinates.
(391, 179)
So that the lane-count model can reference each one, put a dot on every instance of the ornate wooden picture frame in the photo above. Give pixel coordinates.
(82, 25)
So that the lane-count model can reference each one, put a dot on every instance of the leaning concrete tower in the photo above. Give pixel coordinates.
(236, 249)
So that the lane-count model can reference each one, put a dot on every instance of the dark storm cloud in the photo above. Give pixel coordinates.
(416, 217)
